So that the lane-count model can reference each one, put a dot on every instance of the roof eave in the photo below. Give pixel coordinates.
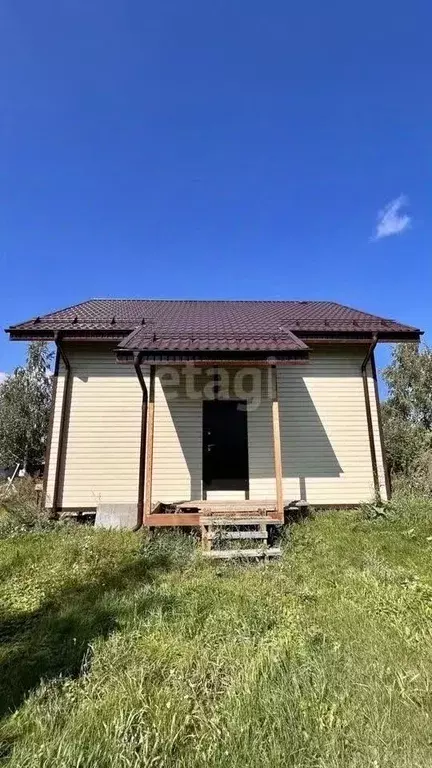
(122, 335)
(356, 337)
(17, 334)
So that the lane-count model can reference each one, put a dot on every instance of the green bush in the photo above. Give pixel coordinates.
(21, 508)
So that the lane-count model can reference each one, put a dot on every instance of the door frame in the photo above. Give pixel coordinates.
(246, 488)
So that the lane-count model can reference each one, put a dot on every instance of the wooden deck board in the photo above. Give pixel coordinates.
(234, 535)
(241, 504)
(227, 554)
(227, 520)
(173, 520)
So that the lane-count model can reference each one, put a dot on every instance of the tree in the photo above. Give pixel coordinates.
(407, 413)
(409, 379)
(25, 402)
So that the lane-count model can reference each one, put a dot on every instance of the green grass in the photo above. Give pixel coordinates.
(118, 650)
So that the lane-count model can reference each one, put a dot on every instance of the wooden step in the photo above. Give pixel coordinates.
(236, 521)
(230, 535)
(228, 554)
(239, 514)
(211, 506)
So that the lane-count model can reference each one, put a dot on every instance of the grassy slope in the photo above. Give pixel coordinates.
(151, 657)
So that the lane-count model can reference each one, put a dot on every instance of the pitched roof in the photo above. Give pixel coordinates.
(211, 325)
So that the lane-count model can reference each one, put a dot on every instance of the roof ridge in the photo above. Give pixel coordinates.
(213, 301)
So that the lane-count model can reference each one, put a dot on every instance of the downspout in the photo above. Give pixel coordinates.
(50, 429)
(62, 425)
(141, 478)
(365, 362)
(381, 432)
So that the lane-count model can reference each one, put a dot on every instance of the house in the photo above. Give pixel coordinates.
(165, 409)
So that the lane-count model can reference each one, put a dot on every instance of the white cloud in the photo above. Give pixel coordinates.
(391, 221)
(2, 377)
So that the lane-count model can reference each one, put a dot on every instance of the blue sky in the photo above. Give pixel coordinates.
(229, 149)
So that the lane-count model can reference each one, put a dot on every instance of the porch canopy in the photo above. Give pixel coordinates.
(162, 343)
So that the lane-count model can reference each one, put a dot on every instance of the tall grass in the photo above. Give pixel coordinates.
(120, 650)
(20, 508)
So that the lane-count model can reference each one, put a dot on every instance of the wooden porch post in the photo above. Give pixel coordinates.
(149, 446)
(277, 445)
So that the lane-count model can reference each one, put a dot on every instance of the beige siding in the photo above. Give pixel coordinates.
(262, 484)
(177, 444)
(325, 446)
(177, 455)
(52, 461)
(103, 435)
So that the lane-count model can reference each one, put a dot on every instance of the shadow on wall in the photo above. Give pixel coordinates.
(185, 438)
(187, 421)
(306, 447)
(64, 446)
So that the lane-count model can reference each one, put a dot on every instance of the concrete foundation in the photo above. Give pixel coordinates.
(116, 516)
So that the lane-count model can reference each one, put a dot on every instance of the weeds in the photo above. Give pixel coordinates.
(21, 510)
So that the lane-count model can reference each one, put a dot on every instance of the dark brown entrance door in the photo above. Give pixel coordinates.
(225, 446)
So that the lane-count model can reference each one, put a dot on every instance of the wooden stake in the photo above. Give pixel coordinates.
(149, 447)
(277, 446)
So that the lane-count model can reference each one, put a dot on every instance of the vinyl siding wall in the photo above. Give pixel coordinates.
(177, 453)
(325, 445)
(101, 457)
(177, 445)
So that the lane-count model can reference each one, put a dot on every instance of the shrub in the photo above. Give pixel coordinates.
(21, 508)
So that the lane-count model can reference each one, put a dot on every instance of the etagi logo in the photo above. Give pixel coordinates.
(252, 384)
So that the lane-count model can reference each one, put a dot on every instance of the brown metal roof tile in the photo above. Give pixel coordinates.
(213, 325)
(211, 340)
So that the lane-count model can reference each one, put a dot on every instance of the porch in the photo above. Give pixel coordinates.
(249, 526)
(195, 511)
(225, 472)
